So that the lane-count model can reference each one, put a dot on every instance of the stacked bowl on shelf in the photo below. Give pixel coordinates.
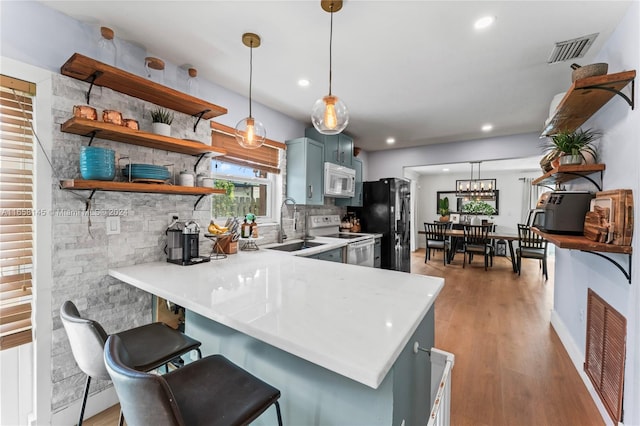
(146, 172)
(97, 163)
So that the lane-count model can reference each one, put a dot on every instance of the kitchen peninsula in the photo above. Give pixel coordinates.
(336, 339)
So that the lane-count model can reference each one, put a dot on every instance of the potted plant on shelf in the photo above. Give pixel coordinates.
(161, 121)
(575, 147)
(443, 209)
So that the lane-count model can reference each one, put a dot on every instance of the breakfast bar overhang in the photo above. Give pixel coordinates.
(336, 339)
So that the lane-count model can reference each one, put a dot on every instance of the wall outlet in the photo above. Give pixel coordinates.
(113, 225)
(581, 313)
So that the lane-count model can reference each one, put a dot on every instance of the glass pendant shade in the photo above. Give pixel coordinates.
(250, 133)
(330, 115)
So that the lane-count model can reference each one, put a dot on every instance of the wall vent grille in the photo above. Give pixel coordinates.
(571, 49)
(605, 353)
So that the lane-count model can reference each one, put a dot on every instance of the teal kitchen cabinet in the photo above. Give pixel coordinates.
(305, 170)
(335, 255)
(338, 148)
(356, 200)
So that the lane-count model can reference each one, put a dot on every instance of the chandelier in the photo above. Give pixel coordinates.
(476, 188)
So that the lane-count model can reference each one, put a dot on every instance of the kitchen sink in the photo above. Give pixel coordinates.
(300, 245)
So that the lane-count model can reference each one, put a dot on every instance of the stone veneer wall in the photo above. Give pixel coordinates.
(82, 253)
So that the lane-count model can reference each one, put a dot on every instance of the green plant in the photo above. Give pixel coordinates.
(161, 115)
(478, 207)
(443, 206)
(574, 143)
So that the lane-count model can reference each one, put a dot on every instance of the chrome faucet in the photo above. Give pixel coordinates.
(281, 235)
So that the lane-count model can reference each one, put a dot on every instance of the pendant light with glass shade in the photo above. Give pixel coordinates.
(249, 132)
(330, 115)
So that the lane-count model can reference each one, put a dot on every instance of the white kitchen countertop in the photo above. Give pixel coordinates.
(350, 319)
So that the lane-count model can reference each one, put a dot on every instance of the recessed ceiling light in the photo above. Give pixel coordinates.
(484, 22)
(487, 127)
(391, 141)
(445, 169)
(303, 82)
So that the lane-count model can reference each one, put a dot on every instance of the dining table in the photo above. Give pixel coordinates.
(500, 233)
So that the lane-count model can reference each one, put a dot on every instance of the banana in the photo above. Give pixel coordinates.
(216, 229)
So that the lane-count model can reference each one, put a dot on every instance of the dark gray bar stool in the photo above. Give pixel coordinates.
(150, 346)
(210, 391)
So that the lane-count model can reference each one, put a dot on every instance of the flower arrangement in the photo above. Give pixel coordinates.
(478, 207)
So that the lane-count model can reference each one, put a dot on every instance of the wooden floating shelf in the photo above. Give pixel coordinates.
(585, 97)
(579, 242)
(566, 173)
(87, 69)
(103, 185)
(85, 127)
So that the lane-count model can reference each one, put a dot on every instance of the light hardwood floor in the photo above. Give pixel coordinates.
(510, 367)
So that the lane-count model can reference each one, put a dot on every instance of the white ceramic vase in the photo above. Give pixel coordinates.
(161, 129)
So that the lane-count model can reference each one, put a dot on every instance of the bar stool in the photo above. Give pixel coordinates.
(210, 391)
(150, 346)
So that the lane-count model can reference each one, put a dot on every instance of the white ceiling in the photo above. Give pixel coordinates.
(516, 165)
(414, 70)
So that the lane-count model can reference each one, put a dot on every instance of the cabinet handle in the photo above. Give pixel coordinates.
(310, 191)
(337, 155)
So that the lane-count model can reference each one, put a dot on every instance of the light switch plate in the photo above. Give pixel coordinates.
(113, 225)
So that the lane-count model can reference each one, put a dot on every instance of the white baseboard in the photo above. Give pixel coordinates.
(577, 357)
(96, 403)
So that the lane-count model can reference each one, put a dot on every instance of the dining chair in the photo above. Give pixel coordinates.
(531, 246)
(210, 391)
(437, 240)
(150, 346)
(477, 241)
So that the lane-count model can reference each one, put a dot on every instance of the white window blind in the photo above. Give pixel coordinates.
(16, 211)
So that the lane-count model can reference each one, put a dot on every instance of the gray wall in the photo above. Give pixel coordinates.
(577, 271)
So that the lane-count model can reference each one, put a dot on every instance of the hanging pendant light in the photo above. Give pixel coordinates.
(330, 115)
(476, 189)
(249, 132)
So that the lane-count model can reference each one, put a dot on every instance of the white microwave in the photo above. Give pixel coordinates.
(339, 181)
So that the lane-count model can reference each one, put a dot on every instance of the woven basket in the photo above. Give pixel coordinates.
(600, 68)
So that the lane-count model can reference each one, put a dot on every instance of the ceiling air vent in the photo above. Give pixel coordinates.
(571, 49)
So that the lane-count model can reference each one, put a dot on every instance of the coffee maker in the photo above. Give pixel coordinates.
(183, 241)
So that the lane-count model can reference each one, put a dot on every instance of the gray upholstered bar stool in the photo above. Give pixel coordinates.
(211, 391)
(150, 346)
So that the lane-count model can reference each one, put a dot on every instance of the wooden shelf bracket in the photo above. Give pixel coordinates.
(200, 157)
(626, 273)
(91, 80)
(629, 100)
(598, 186)
(197, 202)
(199, 117)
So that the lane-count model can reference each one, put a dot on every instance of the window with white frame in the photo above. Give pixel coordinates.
(248, 190)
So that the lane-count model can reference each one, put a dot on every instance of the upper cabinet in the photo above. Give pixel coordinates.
(99, 74)
(305, 170)
(356, 200)
(585, 97)
(338, 148)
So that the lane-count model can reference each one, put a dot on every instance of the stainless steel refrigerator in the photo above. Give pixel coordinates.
(385, 210)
